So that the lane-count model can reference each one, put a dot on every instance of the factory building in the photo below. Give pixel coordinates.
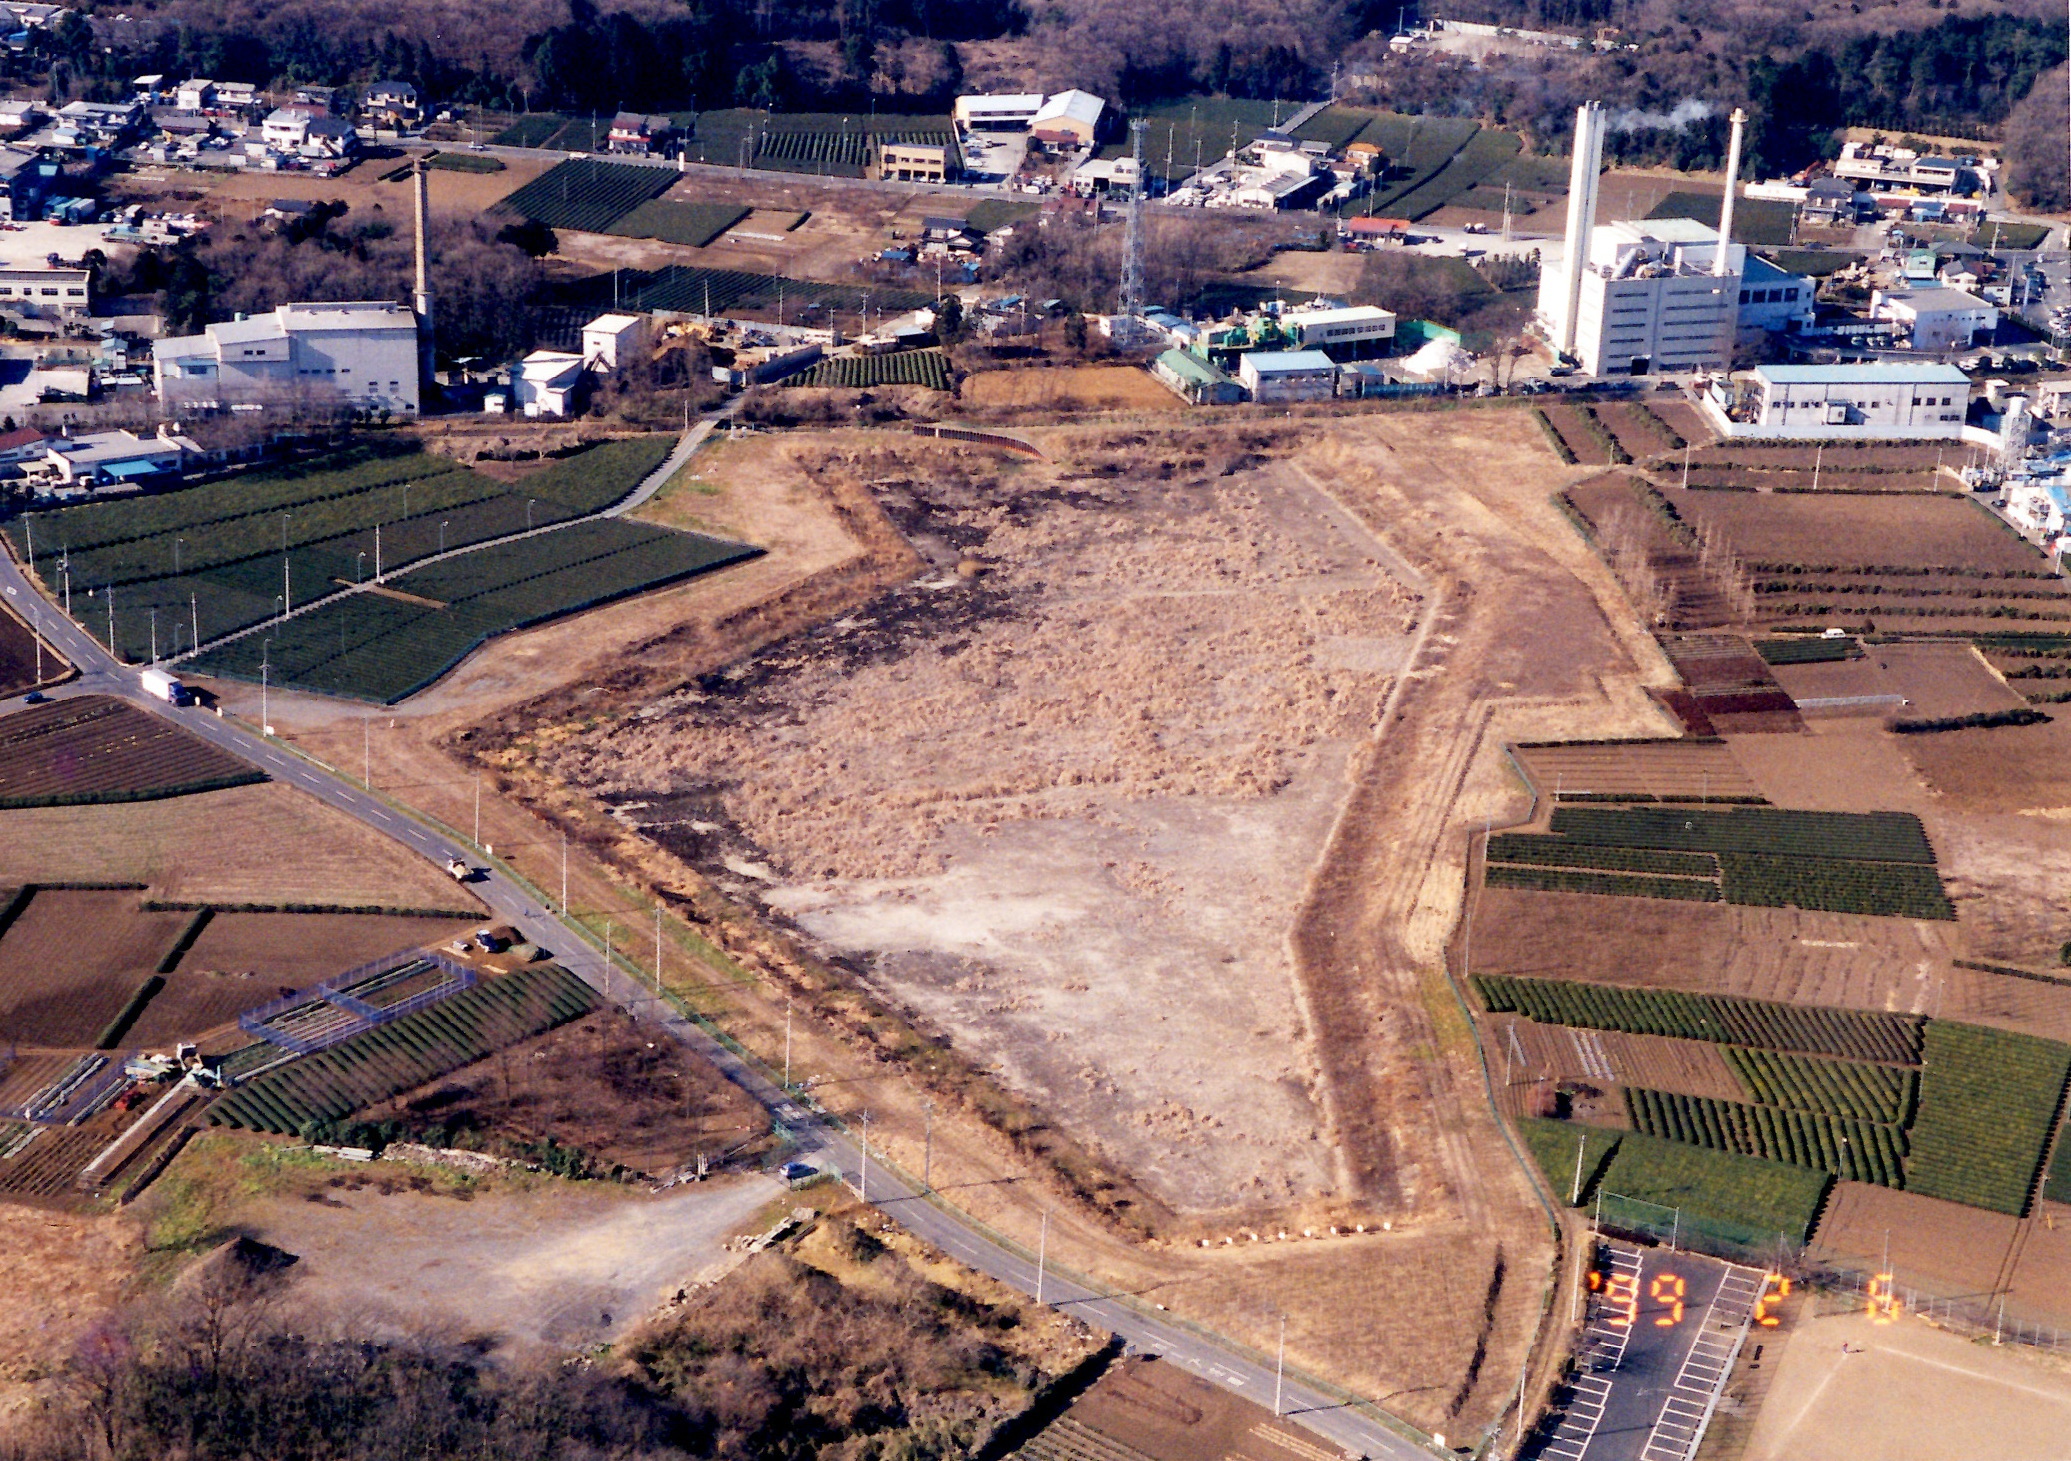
(1665, 294)
(1354, 333)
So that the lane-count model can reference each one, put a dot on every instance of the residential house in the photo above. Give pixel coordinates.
(197, 95)
(639, 134)
(392, 104)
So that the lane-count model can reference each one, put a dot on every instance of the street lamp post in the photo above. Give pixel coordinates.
(442, 535)
(358, 564)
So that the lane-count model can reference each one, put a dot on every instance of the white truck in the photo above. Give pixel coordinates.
(166, 687)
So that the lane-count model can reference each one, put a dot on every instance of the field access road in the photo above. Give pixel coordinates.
(1355, 1431)
(1662, 1333)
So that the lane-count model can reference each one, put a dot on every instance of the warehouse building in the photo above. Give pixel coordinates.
(1068, 119)
(1014, 112)
(364, 352)
(1884, 401)
(1288, 375)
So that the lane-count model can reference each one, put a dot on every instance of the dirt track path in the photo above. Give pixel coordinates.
(1513, 637)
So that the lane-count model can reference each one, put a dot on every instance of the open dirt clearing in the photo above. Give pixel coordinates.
(250, 844)
(551, 1267)
(243, 196)
(1846, 1387)
(1138, 716)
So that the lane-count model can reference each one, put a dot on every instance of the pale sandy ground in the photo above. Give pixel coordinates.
(558, 1268)
(1910, 1393)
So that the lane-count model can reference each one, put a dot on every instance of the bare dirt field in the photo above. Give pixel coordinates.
(1932, 681)
(1163, 1412)
(296, 948)
(1684, 419)
(1846, 1387)
(20, 658)
(1086, 387)
(1854, 529)
(603, 1085)
(2006, 769)
(1767, 953)
(71, 961)
(250, 844)
(2005, 873)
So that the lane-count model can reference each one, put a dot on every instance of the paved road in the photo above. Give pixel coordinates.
(1354, 1431)
(1660, 1338)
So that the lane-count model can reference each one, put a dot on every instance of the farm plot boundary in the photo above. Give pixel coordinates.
(1988, 1101)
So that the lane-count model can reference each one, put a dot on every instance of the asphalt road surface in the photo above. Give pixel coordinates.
(1354, 1431)
(1660, 1336)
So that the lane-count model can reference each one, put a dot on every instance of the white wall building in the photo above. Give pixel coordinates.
(1936, 318)
(1069, 118)
(1649, 297)
(1342, 334)
(46, 293)
(548, 383)
(614, 340)
(1288, 375)
(365, 353)
(1902, 400)
(1014, 112)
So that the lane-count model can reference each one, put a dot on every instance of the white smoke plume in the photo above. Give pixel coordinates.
(1633, 119)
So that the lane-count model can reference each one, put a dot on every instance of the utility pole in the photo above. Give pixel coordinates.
(194, 608)
(564, 874)
(1280, 1371)
(787, 1044)
(657, 953)
(367, 752)
(1042, 1255)
(863, 1183)
(478, 806)
(927, 1158)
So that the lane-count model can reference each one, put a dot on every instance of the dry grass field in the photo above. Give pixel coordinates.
(299, 948)
(251, 844)
(1066, 388)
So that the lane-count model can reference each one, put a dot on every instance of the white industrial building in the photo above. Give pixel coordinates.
(1288, 375)
(1774, 301)
(1936, 318)
(1884, 401)
(548, 383)
(364, 352)
(1343, 334)
(47, 293)
(613, 340)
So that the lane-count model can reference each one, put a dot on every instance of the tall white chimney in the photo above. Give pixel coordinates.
(421, 300)
(1582, 186)
(1718, 264)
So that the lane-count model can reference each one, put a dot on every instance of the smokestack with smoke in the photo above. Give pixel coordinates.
(1718, 263)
